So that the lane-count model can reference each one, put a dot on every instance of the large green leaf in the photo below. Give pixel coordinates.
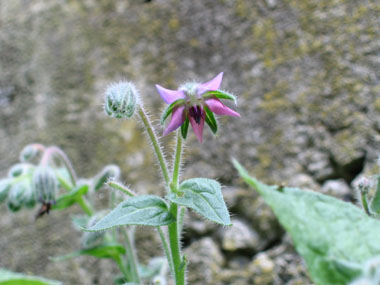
(70, 198)
(334, 237)
(108, 250)
(205, 197)
(147, 210)
(375, 202)
(12, 278)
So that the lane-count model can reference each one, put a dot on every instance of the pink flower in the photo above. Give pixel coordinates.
(195, 103)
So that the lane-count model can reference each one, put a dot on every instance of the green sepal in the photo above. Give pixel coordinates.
(204, 196)
(211, 121)
(220, 95)
(70, 198)
(169, 109)
(185, 128)
(13, 278)
(144, 210)
(106, 250)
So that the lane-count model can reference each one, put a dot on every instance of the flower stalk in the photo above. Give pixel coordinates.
(156, 145)
(174, 234)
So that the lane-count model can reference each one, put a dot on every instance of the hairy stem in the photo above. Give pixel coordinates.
(54, 151)
(156, 145)
(364, 200)
(174, 233)
(123, 268)
(122, 188)
(131, 256)
(166, 249)
(85, 205)
(175, 247)
(177, 164)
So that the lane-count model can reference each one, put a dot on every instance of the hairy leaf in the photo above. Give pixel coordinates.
(12, 278)
(108, 250)
(146, 210)
(69, 199)
(205, 197)
(334, 237)
(375, 202)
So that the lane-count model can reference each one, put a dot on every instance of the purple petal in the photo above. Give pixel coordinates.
(169, 96)
(217, 107)
(198, 129)
(178, 117)
(211, 85)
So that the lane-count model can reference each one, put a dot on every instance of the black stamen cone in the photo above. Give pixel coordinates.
(196, 113)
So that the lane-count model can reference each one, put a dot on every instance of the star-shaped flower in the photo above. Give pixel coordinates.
(195, 103)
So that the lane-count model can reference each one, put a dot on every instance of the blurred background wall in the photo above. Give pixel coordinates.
(307, 77)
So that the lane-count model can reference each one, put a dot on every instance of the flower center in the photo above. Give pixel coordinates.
(196, 113)
(191, 92)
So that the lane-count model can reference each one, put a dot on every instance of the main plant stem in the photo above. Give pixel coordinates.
(174, 234)
(179, 270)
(156, 145)
(174, 240)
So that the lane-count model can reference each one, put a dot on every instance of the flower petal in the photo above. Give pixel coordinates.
(178, 117)
(219, 108)
(169, 96)
(198, 129)
(211, 85)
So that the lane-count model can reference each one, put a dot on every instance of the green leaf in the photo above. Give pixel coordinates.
(334, 237)
(108, 250)
(70, 198)
(185, 128)
(12, 278)
(220, 95)
(211, 121)
(169, 110)
(146, 210)
(204, 196)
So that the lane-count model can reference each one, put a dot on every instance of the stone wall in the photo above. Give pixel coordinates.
(307, 78)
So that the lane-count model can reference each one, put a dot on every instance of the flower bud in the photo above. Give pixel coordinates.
(30, 151)
(364, 184)
(19, 169)
(45, 184)
(16, 196)
(121, 100)
(110, 172)
(92, 239)
(5, 186)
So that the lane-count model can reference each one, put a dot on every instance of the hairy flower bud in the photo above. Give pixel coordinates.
(121, 100)
(19, 169)
(110, 172)
(364, 184)
(20, 194)
(30, 151)
(45, 184)
(5, 186)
